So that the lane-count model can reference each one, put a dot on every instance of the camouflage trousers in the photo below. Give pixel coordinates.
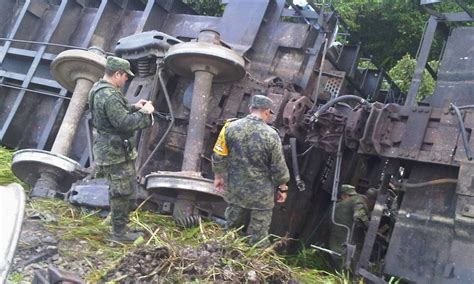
(122, 192)
(257, 222)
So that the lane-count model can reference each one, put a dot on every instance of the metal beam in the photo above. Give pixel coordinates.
(464, 6)
(33, 79)
(299, 13)
(241, 22)
(32, 70)
(458, 17)
(376, 217)
(13, 32)
(40, 42)
(145, 16)
(95, 22)
(309, 75)
(28, 90)
(29, 53)
(421, 61)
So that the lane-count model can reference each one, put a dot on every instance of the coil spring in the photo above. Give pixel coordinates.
(189, 221)
(146, 67)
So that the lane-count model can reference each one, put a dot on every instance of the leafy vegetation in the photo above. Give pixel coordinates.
(402, 73)
(399, 27)
(389, 29)
(6, 175)
(206, 7)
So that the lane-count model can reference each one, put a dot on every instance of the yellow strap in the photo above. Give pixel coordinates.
(220, 147)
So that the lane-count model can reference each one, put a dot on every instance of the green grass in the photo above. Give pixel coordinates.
(16, 277)
(6, 175)
(311, 266)
(74, 224)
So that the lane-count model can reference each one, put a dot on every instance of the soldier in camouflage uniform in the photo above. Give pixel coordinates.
(116, 121)
(248, 164)
(351, 210)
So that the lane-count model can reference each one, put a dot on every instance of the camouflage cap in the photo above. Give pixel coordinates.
(259, 101)
(371, 193)
(348, 189)
(117, 64)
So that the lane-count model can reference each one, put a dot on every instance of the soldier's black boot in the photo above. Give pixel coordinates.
(123, 235)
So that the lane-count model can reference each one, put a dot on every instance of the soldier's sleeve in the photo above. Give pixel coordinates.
(121, 118)
(279, 169)
(219, 163)
(361, 211)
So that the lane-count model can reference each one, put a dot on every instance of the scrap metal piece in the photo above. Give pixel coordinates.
(28, 164)
(55, 275)
(91, 193)
(12, 207)
(39, 257)
(371, 277)
(326, 250)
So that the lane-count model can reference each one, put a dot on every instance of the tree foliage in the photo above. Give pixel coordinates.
(387, 29)
(402, 73)
(206, 7)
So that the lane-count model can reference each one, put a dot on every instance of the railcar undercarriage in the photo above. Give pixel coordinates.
(338, 123)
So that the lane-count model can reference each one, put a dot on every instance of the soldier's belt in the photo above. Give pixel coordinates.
(115, 141)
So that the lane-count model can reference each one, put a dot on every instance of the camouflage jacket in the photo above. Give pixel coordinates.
(255, 165)
(352, 209)
(115, 120)
(347, 212)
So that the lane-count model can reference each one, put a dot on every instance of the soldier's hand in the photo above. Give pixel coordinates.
(219, 184)
(147, 108)
(140, 103)
(281, 197)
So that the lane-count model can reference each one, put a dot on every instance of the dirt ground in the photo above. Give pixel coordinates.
(43, 243)
(41, 246)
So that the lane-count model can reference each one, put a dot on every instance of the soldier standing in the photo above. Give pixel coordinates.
(352, 210)
(248, 164)
(116, 121)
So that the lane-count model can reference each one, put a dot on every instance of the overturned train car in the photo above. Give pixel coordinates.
(336, 123)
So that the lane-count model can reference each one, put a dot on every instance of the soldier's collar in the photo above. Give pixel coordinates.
(254, 117)
(105, 82)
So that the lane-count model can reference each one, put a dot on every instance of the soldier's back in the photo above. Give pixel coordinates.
(250, 141)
